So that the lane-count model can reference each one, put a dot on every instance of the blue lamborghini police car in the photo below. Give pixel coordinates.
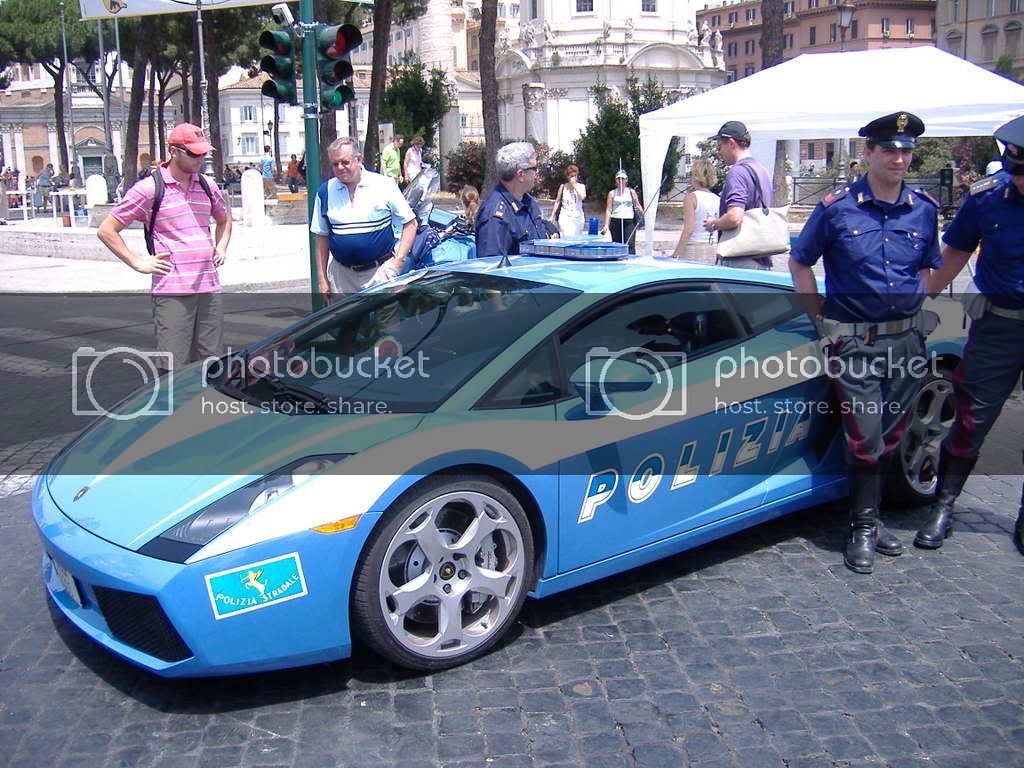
(405, 467)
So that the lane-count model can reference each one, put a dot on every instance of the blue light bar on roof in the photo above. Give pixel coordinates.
(575, 249)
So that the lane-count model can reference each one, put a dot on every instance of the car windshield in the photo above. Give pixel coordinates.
(401, 350)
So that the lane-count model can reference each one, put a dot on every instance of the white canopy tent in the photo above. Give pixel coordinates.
(832, 95)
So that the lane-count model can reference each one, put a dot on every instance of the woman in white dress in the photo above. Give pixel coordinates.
(567, 211)
(696, 244)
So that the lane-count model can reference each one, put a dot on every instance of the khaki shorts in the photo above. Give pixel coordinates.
(188, 327)
(345, 280)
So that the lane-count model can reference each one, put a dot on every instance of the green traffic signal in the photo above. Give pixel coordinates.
(279, 64)
(334, 45)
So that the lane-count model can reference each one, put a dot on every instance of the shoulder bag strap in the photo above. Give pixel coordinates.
(757, 186)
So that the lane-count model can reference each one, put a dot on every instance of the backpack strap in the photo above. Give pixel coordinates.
(158, 197)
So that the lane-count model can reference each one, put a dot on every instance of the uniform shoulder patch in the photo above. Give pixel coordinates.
(924, 194)
(499, 210)
(835, 194)
(984, 185)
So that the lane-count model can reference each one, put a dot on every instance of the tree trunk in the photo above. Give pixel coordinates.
(489, 91)
(139, 56)
(152, 113)
(381, 35)
(186, 101)
(165, 80)
(772, 53)
(57, 73)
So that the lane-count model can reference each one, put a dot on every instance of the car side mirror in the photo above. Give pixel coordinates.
(598, 379)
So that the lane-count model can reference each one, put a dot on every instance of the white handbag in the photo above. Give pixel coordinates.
(763, 232)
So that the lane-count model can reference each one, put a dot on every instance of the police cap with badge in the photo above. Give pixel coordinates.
(898, 130)
(1012, 136)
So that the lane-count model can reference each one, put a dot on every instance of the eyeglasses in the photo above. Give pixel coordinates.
(529, 168)
(190, 154)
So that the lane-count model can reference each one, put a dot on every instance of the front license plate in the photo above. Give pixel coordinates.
(67, 581)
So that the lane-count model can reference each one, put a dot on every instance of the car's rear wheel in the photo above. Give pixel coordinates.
(444, 575)
(914, 477)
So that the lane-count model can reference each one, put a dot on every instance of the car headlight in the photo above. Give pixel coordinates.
(182, 540)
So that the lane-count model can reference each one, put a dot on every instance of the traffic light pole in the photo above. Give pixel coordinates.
(311, 120)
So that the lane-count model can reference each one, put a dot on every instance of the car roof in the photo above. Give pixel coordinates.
(613, 275)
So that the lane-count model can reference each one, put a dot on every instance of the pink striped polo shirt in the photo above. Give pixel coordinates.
(182, 229)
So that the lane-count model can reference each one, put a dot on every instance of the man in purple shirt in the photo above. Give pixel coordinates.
(740, 190)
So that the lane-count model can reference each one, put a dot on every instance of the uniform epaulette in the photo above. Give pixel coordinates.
(984, 185)
(835, 194)
(924, 194)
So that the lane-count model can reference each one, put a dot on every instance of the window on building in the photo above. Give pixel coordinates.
(988, 43)
(953, 41)
(731, 49)
(250, 144)
(249, 114)
(787, 41)
(812, 3)
(748, 47)
(956, 10)
(853, 29)
(1014, 6)
(830, 152)
(911, 31)
(751, 14)
(812, 35)
(733, 17)
(716, 21)
(833, 32)
(533, 9)
(993, 7)
(810, 150)
(748, 70)
(1013, 39)
(584, 6)
(852, 148)
(886, 27)
(789, 8)
(730, 75)
(649, 6)
(514, 10)
(501, 10)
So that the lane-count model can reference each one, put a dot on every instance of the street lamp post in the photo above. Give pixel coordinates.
(846, 11)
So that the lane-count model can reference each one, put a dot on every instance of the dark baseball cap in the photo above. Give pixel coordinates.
(733, 129)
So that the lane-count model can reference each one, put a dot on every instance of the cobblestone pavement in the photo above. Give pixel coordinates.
(759, 650)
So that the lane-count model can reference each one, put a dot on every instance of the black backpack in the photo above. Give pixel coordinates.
(158, 197)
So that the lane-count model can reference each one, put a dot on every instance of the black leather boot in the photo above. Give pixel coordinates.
(953, 473)
(1018, 528)
(865, 491)
(886, 543)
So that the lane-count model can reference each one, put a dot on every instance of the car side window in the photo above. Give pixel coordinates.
(762, 307)
(535, 381)
(677, 322)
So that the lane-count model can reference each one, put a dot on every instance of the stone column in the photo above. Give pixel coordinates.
(533, 106)
(51, 141)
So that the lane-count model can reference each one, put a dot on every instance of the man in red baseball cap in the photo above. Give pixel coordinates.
(175, 204)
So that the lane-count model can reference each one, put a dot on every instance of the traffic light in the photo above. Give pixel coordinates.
(280, 65)
(334, 45)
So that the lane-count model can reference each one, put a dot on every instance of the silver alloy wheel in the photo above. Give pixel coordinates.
(451, 574)
(930, 420)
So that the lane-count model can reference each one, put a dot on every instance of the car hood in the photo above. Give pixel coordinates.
(128, 480)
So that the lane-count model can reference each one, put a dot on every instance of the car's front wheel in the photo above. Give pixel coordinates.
(915, 472)
(444, 575)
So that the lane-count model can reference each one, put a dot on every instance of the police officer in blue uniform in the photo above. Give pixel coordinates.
(991, 216)
(879, 239)
(510, 215)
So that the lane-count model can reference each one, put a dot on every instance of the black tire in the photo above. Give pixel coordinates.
(913, 473)
(464, 534)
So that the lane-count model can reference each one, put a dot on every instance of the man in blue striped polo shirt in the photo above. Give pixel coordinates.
(355, 217)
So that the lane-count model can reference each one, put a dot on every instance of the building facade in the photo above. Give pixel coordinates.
(552, 54)
(982, 31)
